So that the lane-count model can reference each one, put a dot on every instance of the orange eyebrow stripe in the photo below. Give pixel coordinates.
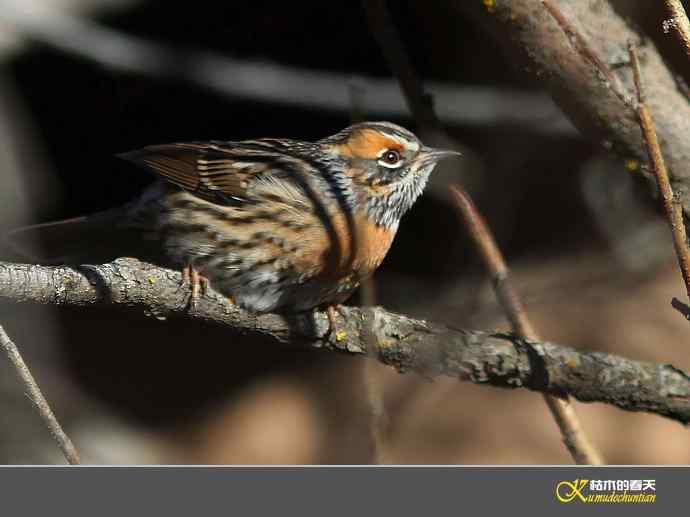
(367, 144)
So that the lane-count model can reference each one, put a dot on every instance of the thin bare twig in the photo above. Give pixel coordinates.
(562, 410)
(673, 209)
(679, 21)
(681, 307)
(34, 392)
(421, 105)
(493, 260)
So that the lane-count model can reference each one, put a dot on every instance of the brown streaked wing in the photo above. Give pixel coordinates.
(215, 172)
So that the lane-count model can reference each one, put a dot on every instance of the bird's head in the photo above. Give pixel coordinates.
(388, 165)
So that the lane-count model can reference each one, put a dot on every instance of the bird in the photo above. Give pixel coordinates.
(273, 224)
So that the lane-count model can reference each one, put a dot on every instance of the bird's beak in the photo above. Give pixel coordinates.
(429, 155)
(435, 155)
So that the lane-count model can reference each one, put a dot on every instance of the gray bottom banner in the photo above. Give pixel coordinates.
(327, 491)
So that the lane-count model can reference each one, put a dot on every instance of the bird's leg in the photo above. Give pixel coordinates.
(197, 282)
(332, 313)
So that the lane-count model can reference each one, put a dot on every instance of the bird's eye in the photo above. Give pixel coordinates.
(391, 157)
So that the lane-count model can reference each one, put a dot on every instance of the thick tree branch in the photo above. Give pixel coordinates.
(409, 345)
(539, 44)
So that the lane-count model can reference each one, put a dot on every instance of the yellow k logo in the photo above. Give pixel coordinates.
(566, 491)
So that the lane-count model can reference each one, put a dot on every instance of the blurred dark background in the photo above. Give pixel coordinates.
(82, 81)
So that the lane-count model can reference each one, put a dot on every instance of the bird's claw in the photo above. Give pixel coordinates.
(197, 285)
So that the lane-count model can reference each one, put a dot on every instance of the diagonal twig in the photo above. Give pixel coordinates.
(673, 209)
(36, 396)
(562, 410)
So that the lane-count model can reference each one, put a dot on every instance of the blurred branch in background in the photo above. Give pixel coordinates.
(408, 345)
(11, 43)
(636, 235)
(28, 183)
(272, 82)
